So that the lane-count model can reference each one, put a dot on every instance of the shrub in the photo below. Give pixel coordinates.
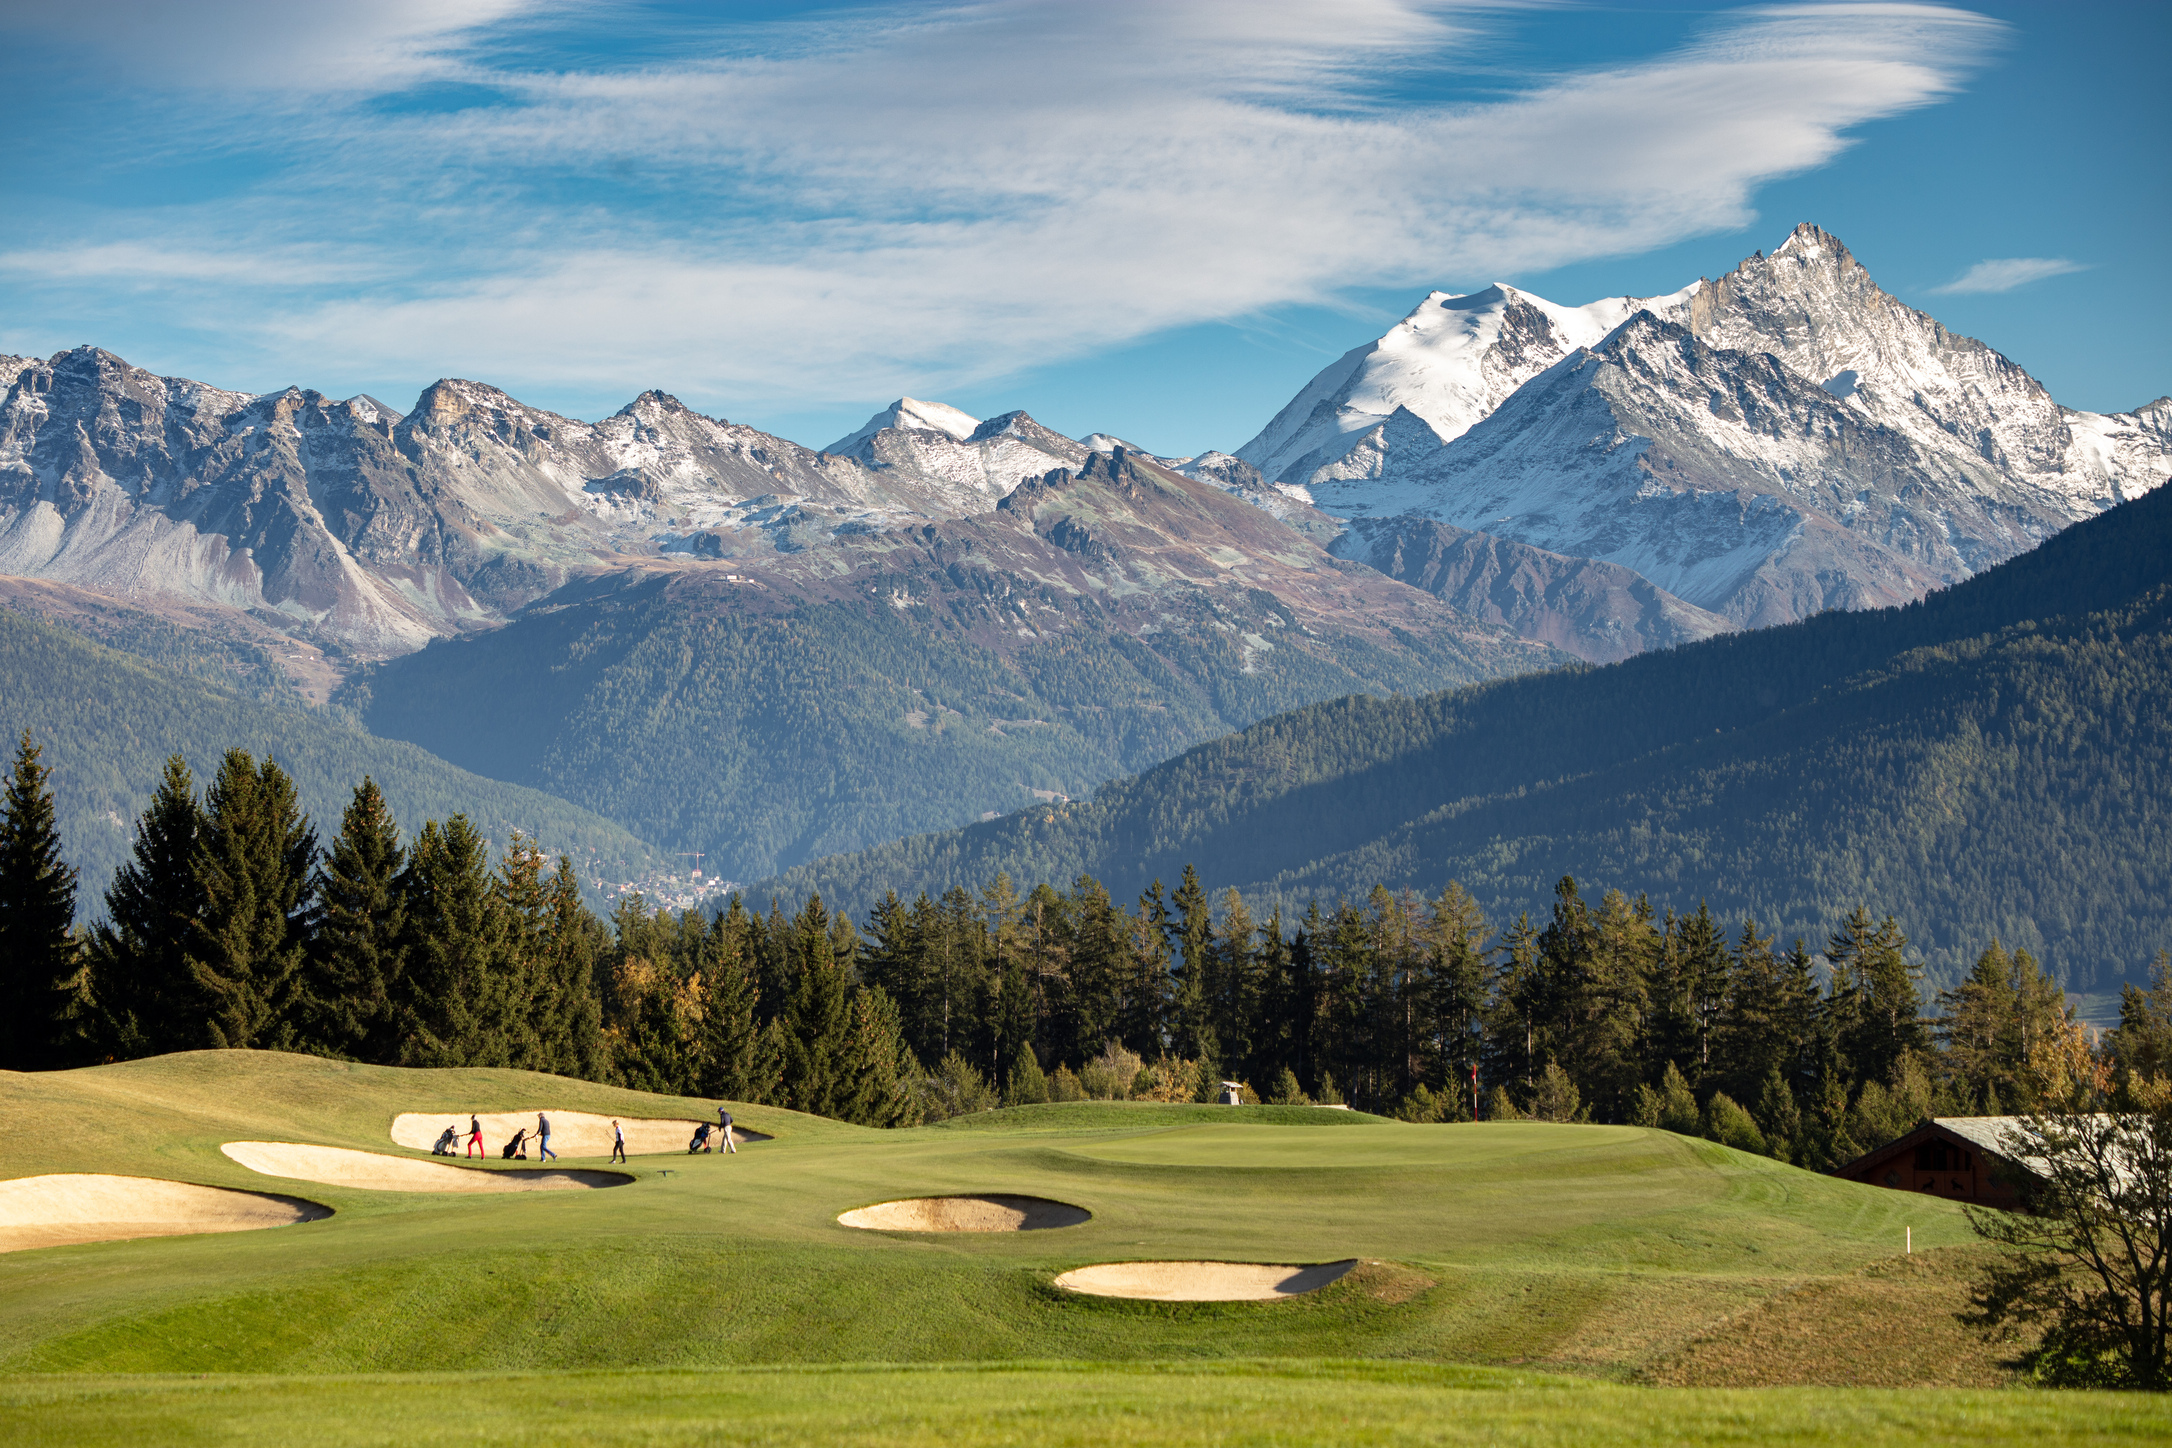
(1109, 1076)
(1029, 1087)
(1064, 1086)
(1556, 1098)
(1284, 1090)
(1729, 1125)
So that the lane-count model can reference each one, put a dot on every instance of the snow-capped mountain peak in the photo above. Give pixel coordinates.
(1444, 367)
(910, 413)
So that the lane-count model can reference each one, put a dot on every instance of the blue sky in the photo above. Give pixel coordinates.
(1153, 219)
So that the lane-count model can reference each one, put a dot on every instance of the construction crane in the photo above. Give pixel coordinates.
(699, 856)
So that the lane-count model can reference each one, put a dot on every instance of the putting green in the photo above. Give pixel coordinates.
(1599, 1251)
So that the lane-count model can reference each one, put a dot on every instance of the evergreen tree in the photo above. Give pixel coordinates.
(455, 1009)
(1878, 1007)
(139, 967)
(879, 1077)
(2007, 1009)
(1194, 1009)
(818, 1019)
(37, 911)
(254, 861)
(737, 1064)
(2142, 1044)
(357, 963)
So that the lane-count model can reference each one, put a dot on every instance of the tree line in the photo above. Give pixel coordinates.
(231, 927)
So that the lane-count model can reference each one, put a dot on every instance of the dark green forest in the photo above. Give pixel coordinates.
(233, 926)
(770, 736)
(107, 720)
(1993, 761)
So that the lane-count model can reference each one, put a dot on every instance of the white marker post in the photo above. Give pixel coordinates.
(1911, 1240)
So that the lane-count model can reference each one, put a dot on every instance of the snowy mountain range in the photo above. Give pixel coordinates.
(1785, 439)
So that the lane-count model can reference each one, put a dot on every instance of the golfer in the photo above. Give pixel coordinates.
(543, 1150)
(475, 1137)
(724, 1120)
(618, 1142)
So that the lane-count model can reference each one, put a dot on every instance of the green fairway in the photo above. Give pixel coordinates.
(1042, 1404)
(1607, 1252)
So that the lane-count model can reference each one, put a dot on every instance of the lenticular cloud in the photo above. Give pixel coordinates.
(920, 197)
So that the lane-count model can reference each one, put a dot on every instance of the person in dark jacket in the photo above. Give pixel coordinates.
(724, 1124)
(475, 1137)
(543, 1150)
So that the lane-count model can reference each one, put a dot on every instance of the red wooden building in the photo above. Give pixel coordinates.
(1959, 1158)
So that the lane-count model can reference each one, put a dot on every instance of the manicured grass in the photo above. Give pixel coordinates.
(1051, 1406)
(1607, 1252)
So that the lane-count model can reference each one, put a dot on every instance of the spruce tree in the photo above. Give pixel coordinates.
(453, 1011)
(358, 957)
(253, 859)
(146, 999)
(738, 1063)
(37, 910)
(818, 1018)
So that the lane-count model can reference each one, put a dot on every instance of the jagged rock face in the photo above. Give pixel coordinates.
(1601, 612)
(371, 532)
(1725, 479)
(1785, 439)
(1812, 305)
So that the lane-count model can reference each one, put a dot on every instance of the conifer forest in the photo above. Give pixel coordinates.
(234, 925)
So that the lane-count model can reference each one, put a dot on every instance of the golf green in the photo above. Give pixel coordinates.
(1603, 1253)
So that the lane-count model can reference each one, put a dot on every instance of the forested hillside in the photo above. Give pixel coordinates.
(889, 682)
(106, 722)
(1991, 761)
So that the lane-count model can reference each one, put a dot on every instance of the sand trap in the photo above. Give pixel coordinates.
(967, 1214)
(573, 1133)
(1201, 1281)
(55, 1211)
(336, 1166)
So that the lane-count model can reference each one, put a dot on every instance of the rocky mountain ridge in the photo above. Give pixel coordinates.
(1785, 439)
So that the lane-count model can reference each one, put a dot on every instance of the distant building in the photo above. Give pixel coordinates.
(1957, 1158)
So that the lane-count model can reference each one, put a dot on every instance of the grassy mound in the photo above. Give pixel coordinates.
(1602, 1251)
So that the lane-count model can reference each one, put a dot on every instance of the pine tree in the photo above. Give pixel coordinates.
(357, 961)
(146, 999)
(453, 1012)
(561, 944)
(254, 859)
(1878, 1007)
(37, 911)
(737, 1062)
(880, 1078)
(817, 1019)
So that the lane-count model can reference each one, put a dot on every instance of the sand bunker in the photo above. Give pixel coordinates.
(573, 1133)
(967, 1214)
(339, 1167)
(1202, 1281)
(55, 1211)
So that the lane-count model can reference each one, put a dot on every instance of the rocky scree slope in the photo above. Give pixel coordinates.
(907, 678)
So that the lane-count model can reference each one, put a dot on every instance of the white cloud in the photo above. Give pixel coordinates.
(2003, 274)
(264, 45)
(913, 198)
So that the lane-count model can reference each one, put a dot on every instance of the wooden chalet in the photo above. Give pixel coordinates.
(1959, 1158)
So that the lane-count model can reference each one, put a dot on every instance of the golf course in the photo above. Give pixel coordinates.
(1083, 1272)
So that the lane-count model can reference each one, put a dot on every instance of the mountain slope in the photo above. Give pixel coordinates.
(1600, 612)
(107, 721)
(1441, 370)
(902, 679)
(368, 533)
(1992, 760)
(1785, 439)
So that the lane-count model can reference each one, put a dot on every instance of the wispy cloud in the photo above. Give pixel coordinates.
(902, 199)
(2003, 274)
